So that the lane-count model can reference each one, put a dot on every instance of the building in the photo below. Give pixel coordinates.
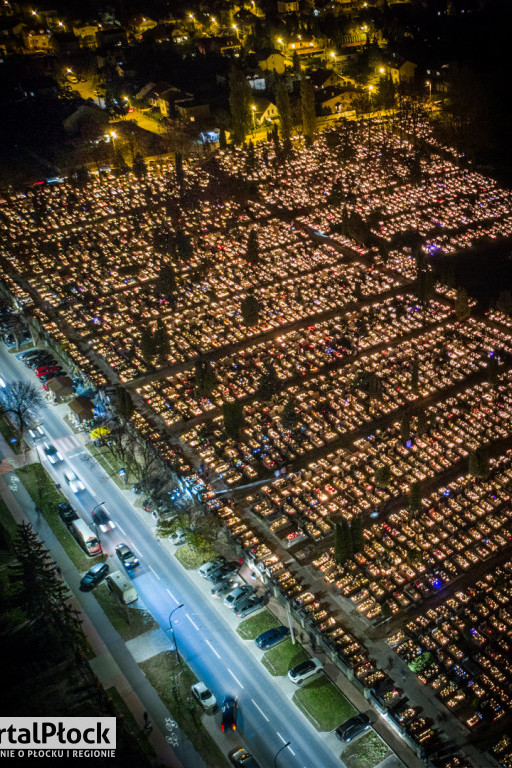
(139, 24)
(265, 111)
(86, 33)
(400, 70)
(272, 61)
(287, 6)
(36, 39)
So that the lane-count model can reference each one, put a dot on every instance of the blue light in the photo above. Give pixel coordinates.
(408, 444)
(437, 583)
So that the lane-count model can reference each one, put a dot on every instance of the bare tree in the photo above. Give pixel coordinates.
(21, 402)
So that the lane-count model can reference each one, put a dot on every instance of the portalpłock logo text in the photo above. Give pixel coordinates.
(57, 737)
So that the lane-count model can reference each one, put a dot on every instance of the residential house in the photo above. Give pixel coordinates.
(139, 24)
(226, 46)
(86, 33)
(36, 39)
(65, 43)
(324, 78)
(265, 112)
(110, 35)
(192, 109)
(287, 6)
(400, 70)
(272, 61)
(335, 100)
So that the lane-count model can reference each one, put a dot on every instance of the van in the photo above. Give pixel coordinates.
(122, 587)
(85, 537)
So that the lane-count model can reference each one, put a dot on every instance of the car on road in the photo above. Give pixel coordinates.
(204, 696)
(272, 637)
(94, 575)
(304, 671)
(126, 556)
(206, 569)
(228, 709)
(101, 519)
(353, 727)
(73, 481)
(238, 594)
(66, 512)
(241, 758)
(36, 432)
(52, 453)
(249, 605)
(222, 587)
(178, 537)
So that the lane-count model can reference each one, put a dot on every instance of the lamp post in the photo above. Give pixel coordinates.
(113, 136)
(172, 631)
(279, 752)
(429, 84)
(93, 510)
(253, 112)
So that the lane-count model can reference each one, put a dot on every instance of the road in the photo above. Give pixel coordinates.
(204, 629)
(142, 119)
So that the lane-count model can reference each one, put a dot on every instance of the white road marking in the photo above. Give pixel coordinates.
(121, 529)
(283, 740)
(134, 547)
(291, 750)
(171, 594)
(260, 710)
(235, 678)
(211, 646)
(155, 573)
(192, 622)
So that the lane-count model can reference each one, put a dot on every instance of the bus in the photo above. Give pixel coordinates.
(85, 537)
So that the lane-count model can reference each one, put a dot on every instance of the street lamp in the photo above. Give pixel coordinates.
(172, 631)
(279, 752)
(96, 507)
(113, 136)
(429, 84)
(253, 111)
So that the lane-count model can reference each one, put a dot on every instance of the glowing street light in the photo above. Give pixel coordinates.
(429, 84)
(253, 111)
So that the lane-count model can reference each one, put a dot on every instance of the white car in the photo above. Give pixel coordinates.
(74, 482)
(178, 537)
(305, 670)
(237, 595)
(52, 454)
(208, 568)
(204, 696)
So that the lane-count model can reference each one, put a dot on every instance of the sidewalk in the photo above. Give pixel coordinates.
(113, 663)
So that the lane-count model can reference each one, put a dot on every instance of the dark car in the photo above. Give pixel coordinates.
(224, 570)
(241, 758)
(272, 637)
(353, 727)
(94, 575)
(126, 556)
(39, 360)
(228, 710)
(66, 512)
(101, 519)
(249, 605)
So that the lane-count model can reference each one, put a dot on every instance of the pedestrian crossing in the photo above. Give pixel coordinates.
(67, 443)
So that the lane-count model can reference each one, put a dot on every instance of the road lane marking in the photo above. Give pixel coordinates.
(192, 622)
(235, 678)
(171, 594)
(283, 740)
(291, 750)
(260, 711)
(135, 548)
(121, 529)
(155, 573)
(213, 649)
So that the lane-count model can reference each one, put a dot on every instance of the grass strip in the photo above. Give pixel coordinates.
(128, 620)
(323, 704)
(255, 625)
(366, 752)
(125, 712)
(172, 682)
(191, 558)
(283, 657)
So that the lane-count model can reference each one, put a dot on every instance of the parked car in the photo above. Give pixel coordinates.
(238, 594)
(178, 537)
(272, 637)
(126, 556)
(228, 722)
(249, 605)
(204, 696)
(94, 575)
(241, 758)
(206, 568)
(102, 520)
(73, 481)
(222, 587)
(47, 370)
(39, 361)
(304, 671)
(224, 570)
(52, 453)
(353, 727)
(66, 512)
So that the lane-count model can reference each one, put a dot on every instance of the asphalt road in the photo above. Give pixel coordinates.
(204, 629)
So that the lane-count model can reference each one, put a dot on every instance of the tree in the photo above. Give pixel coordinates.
(124, 403)
(493, 374)
(21, 402)
(415, 376)
(307, 103)
(290, 415)
(223, 144)
(415, 497)
(161, 340)
(504, 302)
(252, 253)
(166, 281)
(340, 544)
(233, 415)
(421, 423)
(383, 476)
(120, 163)
(269, 384)
(284, 112)
(385, 610)
(347, 535)
(147, 345)
(462, 309)
(478, 465)
(239, 104)
(139, 166)
(405, 427)
(205, 379)
(184, 245)
(250, 309)
(357, 534)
